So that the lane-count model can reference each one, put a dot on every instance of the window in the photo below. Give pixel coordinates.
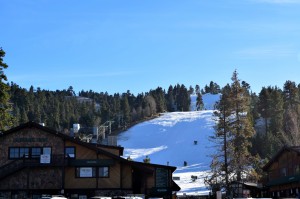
(85, 172)
(14, 153)
(103, 172)
(70, 152)
(24, 152)
(47, 150)
(36, 152)
(283, 172)
(27, 152)
(90, 172)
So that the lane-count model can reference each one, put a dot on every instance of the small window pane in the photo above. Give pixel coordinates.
(36, 152)
(103, 172)
(47, 150)
(24, 152)
(70, 152)
(283, 172)
(14, 153)
(86, 172)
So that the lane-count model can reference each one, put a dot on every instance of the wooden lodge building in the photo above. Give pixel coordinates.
(283, 174)
(36, 160)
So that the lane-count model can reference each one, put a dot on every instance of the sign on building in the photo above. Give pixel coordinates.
(86, 172)
(45, 159)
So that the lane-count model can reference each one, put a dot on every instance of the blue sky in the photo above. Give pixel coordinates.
(138, 45)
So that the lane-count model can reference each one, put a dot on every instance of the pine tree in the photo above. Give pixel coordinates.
(219, 166)
(276, 121)
(5, 107)
(197, 89)
(183, 99)
(270, 107)
(199, 102)
(170, 99)
(191, 90)
(264, 105)
(240, 128)
(159, 96)
(126, 110)
(149, 106)
(291, 135)
(233, 160)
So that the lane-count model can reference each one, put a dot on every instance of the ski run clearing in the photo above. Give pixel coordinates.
(174, 139)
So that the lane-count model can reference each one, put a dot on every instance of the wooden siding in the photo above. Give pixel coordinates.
(114, 178)
(17, 181)
(288, 160)
(82, 152)
(126, 176)
(112, 182)
(55, 142)
(110, 150)
(45, 178)
(71, 182)
(151, 181)
(34, 178)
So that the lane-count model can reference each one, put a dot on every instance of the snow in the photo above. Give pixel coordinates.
(174, 138)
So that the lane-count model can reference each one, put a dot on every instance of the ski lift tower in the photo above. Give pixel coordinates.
(102, 129)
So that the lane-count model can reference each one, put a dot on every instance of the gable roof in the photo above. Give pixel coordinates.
(279, 153)
(61, 135)
(140, 165)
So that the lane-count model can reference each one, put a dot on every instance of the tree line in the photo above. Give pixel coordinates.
(60, 109)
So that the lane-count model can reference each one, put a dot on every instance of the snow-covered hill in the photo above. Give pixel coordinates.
(175, 138)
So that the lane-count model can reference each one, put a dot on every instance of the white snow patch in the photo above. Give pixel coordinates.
(209, 101)
(171, 119)
(189, 186)
(138, 153)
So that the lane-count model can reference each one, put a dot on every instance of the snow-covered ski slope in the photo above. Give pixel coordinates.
(175, 138)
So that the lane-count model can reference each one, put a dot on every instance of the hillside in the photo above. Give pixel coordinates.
(175, 138)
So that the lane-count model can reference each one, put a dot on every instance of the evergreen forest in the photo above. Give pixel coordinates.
(61, 109)
(274, 112)
(272, 121)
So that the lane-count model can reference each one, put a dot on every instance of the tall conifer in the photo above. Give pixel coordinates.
(5, 107)
(233, 131)
(291, 135)
(240, 127)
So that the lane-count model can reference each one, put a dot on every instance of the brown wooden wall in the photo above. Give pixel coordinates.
(114, 180)
(126, 176)
(81, 151)
(34, 178)
(55, 142)
(71, 182)
(110, 150)
(150, 179)
(288, 160)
